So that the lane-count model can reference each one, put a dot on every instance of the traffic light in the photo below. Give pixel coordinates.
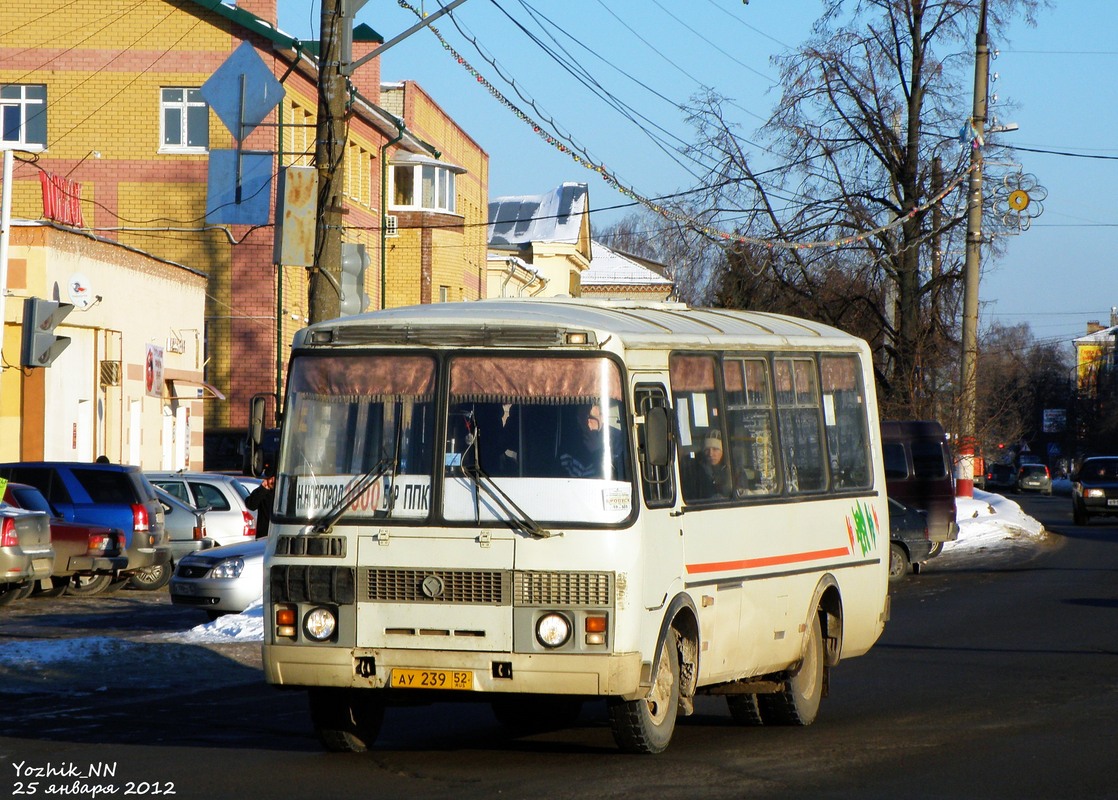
(40, 317)
(354, 263)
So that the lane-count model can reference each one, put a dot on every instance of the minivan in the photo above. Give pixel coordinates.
(918, 473)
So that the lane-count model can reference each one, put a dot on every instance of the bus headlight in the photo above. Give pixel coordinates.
(553, 630)
(320, 624)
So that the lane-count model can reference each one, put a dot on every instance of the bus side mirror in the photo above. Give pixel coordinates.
(657, 436)
(257, 407)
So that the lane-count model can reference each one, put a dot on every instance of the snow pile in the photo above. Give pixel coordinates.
(248, 626)
(992, 521)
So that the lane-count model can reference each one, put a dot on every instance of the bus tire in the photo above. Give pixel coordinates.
(745, 709)
(346, 720)
(798, 704)
(646, 725)
(522, 715)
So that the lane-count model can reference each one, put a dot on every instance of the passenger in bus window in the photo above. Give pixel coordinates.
(709, 476)
(584, 451)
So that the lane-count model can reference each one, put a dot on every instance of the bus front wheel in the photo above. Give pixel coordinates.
(798, 704)
(346, 720)
(646, 725)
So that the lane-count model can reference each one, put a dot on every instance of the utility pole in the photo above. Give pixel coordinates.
(972, 267)
(335, 51)
(324, 292)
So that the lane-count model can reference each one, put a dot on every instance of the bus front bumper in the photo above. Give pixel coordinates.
(574, 674)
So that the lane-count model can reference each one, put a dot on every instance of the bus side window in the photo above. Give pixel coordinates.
(749, 416)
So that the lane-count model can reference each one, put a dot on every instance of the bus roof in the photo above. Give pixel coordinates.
(518, 322)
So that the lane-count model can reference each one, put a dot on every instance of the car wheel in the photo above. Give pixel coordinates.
(346, 720)
(1079, 514)
(88, 585)
(152, 578)
(798, 704)
(52, 587)
(898, 562)
(9, 592)
(646, 725)
(937, 548)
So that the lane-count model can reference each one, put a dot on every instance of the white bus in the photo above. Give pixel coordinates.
(522, 501)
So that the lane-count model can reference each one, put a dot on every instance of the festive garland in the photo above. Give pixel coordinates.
(726, 237)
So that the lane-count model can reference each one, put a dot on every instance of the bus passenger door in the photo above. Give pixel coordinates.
(662, 540)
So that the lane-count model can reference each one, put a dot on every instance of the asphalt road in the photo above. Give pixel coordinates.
(997, 677)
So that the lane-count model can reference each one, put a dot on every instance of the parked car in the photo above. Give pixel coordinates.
(1034, 478)
(224, 580)
(909, 543)
(918, 473)
(186, 533)
(1094, 489)
(114, 495)
(222, 497)
(86, 557)
(25, 550)
(1000, 477)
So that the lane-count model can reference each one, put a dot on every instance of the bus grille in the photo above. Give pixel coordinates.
(563, 589)
(487, 587)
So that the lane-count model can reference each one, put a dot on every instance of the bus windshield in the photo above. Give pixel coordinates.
(352, 416)
(527, 439)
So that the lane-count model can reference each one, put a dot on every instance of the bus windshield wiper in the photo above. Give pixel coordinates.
(516, 517)
(352, 492)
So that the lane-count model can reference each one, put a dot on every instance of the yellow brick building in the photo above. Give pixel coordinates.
(115, 91)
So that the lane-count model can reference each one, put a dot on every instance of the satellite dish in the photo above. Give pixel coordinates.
(80, 290)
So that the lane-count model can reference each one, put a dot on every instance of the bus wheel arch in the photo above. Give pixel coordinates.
(827, 605)
(682, 622)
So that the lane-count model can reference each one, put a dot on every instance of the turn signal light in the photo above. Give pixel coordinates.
(285, 621)
(596, 627)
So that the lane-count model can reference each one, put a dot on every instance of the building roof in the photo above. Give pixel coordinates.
(518, 221)
(610, 268)
(1101, 336)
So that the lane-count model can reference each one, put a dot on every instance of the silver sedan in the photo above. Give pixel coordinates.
(223, 580)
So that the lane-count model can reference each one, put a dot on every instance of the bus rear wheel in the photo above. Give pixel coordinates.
(346, 720)
(798, 704)
(646, 725)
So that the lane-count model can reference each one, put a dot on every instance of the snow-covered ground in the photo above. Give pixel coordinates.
(987, 523)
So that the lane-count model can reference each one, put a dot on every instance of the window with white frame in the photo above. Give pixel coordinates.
(184, 120)
(427, 187)
(23, 113)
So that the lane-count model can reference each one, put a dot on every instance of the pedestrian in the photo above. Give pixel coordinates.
(260, 500)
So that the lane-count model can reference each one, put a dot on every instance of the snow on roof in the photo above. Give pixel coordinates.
(1101, 336)
(553, 217)
(610, 268)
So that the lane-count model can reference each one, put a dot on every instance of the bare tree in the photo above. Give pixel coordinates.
(866, 130)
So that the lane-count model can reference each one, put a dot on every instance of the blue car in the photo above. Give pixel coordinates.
(114, 495)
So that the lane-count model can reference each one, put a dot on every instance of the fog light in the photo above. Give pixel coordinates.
(319, 624)
(553, 630)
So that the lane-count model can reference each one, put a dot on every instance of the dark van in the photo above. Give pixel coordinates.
(918, 473)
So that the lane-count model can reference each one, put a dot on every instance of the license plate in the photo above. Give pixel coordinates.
(1113, 501)
(432, 679)
(186, 589)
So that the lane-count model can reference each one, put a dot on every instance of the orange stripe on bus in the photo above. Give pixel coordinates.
(768, 561)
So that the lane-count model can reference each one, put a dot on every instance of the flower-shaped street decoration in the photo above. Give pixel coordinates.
(1019, 200)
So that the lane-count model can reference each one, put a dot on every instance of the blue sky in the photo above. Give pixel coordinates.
(652, 55)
